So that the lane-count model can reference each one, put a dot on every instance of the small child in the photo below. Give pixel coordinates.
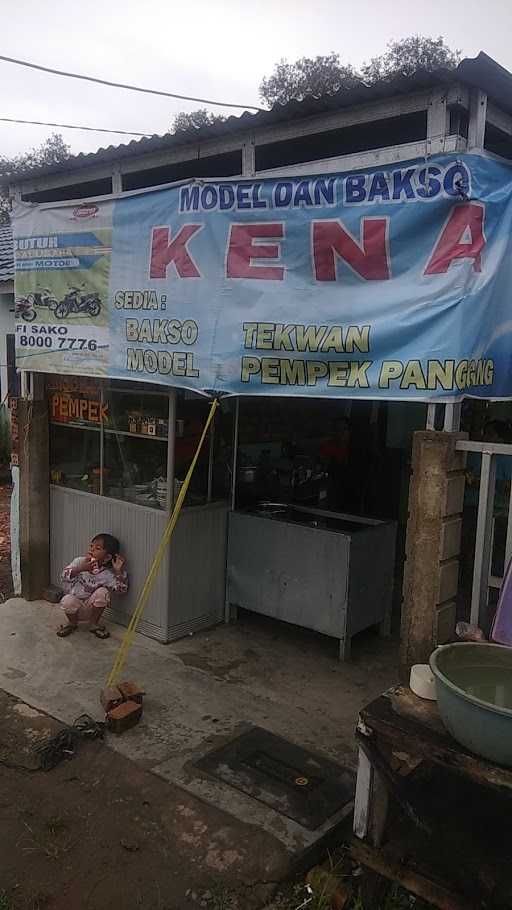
(89, 581)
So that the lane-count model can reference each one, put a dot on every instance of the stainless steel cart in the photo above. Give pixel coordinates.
(325, 571)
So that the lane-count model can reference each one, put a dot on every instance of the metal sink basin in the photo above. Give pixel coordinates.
(313, 518)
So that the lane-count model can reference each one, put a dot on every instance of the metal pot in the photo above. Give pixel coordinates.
(271, 508)
(248, 473)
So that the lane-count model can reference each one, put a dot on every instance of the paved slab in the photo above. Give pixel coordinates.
(202, 691)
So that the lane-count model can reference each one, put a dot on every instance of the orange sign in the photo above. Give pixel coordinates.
(64, 408)
(80, 385)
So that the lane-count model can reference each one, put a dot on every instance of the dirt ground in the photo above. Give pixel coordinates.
(99, 832)
(5, 542)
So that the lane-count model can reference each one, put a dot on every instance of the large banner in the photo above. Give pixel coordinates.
(392, 283)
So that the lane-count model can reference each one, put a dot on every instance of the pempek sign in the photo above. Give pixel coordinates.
(385, 284)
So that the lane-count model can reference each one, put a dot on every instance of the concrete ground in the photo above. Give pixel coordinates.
(201, 692)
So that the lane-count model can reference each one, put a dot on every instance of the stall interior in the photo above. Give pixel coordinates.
(344, 456)
(321, 491)
(113, 440)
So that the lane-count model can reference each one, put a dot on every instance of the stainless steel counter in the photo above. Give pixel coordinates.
(325, 571)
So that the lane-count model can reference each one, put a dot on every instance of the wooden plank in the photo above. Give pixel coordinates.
(436, 893)
(249, 158)
(379, 806)
(391, 154)
(477, 119)
(492, 448)
(363, 795)
(412, 725)
(437, 114)
(388, 782)
(117, 180)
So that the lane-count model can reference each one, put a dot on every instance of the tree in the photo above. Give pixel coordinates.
(195, 120)
(405, 57)
(307, 76)
(324, 75)
(52, 151)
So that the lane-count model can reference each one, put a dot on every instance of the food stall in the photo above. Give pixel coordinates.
(118, 454)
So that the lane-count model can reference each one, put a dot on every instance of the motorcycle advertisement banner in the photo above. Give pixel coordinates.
(62, 287)
(387, 283)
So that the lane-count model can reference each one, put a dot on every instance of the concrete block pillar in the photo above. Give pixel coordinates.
(436, 496)
(34, 497)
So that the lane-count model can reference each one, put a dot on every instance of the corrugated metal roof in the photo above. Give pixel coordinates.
(292, 110)
(481, 71)
(6, 254)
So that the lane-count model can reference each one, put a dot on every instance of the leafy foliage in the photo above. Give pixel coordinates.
(52, 151)
(307, 76)
(195, 120)
(405, 57)
(326, 74)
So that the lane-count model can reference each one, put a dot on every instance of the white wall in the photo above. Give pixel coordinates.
(6, 328)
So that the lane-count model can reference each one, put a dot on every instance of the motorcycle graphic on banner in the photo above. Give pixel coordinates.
(79, 301)
(27, 307)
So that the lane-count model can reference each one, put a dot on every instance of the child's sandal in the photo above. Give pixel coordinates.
(64, 631)
(100, 632)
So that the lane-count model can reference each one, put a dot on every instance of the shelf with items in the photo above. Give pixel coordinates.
(113, 432)
(115, 460)
(76, 425)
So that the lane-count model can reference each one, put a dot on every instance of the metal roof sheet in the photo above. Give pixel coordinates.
(6, 254)
(482, 72)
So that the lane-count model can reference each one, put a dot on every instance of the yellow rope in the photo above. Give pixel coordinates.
(155, 565)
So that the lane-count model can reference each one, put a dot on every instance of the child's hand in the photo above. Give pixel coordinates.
(118, 564)
(85, 564)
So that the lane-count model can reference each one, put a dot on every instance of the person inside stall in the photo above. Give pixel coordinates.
(335, 452)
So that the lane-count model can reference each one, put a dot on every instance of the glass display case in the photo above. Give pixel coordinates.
(74, 407)
(109, 441)
(119, 452)
(113, 441)
(135, 446)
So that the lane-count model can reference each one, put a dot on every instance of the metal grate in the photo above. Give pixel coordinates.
(293, 781)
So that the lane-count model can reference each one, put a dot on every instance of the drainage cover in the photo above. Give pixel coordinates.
(292, 781)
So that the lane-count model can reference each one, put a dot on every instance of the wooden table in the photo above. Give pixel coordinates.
(403, 750)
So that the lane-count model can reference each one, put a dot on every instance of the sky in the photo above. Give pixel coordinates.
(219, 50)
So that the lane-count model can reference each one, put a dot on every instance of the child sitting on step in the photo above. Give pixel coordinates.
(89, 582)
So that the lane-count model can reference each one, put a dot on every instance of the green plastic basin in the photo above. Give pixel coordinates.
(474, 696)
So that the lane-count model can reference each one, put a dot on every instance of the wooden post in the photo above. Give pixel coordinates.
(34, 496)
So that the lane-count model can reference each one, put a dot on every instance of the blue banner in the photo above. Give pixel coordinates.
(393, 283)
